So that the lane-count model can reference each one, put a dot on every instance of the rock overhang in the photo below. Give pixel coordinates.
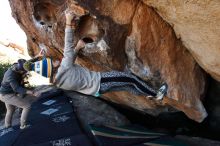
(120, 35)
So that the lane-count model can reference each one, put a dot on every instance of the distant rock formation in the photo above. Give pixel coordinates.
(127, 35)
(9, 49)
(16, 47)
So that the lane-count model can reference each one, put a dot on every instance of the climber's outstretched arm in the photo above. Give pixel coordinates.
(68, 55)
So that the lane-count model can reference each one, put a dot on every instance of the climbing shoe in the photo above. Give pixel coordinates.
(161, 92)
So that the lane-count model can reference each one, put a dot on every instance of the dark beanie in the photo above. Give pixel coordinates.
(20, 64)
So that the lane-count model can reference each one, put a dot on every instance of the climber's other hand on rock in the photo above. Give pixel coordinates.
(80, 45)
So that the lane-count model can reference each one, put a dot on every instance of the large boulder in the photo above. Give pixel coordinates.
(92, 110)
(196, 23)
(126, 35)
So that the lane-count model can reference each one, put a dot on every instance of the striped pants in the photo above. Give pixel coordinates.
(121, 81)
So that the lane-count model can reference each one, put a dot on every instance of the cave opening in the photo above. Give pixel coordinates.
(88, 40)
(44, 14)
(89, 29)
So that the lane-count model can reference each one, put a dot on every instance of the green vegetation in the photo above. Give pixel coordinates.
(3, 68)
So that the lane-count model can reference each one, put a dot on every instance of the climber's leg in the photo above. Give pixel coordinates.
(115, 80)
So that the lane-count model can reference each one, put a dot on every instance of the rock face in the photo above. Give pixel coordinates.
(196, 23)
(91, 110)
(124, 35)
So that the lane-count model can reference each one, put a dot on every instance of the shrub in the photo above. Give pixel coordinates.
(3, 68)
